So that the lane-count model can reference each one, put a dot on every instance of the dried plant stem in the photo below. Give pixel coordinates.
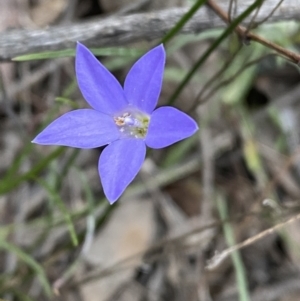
(289, 162)
(202, 99)
(250, 36)
(219, 258)
(119, 30)
(271, 13)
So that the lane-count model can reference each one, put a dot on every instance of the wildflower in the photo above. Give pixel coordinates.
(122, 119)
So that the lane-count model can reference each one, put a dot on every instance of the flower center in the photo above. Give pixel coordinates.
(133, 123)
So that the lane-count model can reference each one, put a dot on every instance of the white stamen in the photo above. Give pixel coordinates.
(132, 123)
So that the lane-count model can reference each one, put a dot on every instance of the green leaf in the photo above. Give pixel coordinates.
(251, 155)
(44, 55)
(111, 51)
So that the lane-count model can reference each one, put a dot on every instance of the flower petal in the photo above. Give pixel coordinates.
(98, 86)
(84, 128)
(169, 125)
(119, 163)
(143, 82)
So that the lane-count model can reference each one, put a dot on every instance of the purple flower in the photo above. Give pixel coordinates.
(122, 119)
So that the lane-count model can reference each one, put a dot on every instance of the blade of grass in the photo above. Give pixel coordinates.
(66, 167)
(184, 19)
(63, 209)
(88, 238)
(10, 183)
(241, 278)
(28, 147)
(31, 262)
(214, 45)
(178, 152)
(17, 162)
(109, 51)
(250, 149)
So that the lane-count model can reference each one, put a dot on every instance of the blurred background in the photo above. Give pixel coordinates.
(212, 218)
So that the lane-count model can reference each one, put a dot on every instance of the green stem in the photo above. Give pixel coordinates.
(184, 19)
(240, 272)
(214, 45)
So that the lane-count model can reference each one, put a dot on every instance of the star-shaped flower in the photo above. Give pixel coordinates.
(122, 119)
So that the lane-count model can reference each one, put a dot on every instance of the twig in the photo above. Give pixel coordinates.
(250, 36)
(231, 8)
(277, 290)
(201, 99)
(133, 7)
(214, 78)
(270, 15)
(219, 258)
(35, 77)
(250, 25)
(284, 168)
(118, 30)
(152, 251)
(228, 31)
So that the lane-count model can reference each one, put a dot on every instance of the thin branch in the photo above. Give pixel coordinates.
(219, 258)
(214, 78)
(200, 99)
(271, 13)
(250, 25)
(32, 79)
(119, 30)
(231, 27)
(250, 36)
